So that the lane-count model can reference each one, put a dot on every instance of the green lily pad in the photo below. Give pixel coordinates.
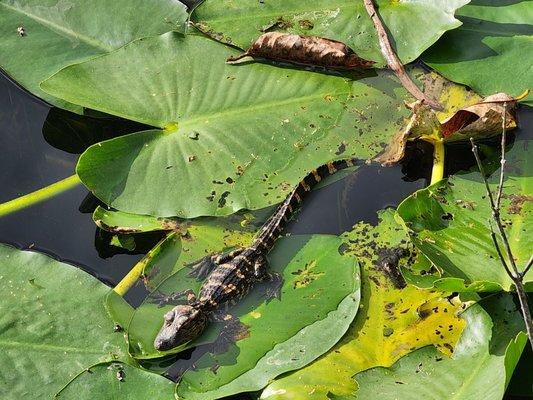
(393, 319)
(46, 337)
(259, 342)
(231, 137)
(414, 25)
(491, 51)
(118, 381)
(481, 366)
(449, 223)
(39, 37)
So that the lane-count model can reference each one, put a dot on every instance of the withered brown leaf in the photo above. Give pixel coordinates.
(304, 50)
(480, 120)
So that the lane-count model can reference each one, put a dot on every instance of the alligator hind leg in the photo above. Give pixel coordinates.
(201, 269)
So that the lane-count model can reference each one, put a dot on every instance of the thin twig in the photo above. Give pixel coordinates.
(502, 159)
(498, 250)
(393, 61)
(513, 273)
(528, 266)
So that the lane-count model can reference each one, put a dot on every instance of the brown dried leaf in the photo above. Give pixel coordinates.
(423, 121)
(304, 50)
(481, 120)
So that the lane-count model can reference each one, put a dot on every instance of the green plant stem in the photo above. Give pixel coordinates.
(437, 172)
(43, 194)
(137, 271)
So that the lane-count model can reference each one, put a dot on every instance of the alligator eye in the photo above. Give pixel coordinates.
(169, 316)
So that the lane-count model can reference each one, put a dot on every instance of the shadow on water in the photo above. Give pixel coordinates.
(41, 146)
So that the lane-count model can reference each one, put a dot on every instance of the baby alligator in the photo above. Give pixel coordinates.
(229, 277)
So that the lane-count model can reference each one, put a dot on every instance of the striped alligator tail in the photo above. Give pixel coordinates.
(273, 227)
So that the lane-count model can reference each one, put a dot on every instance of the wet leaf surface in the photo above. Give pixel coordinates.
(45, 335)
(65, 32)
(481, 367)
(391, 321)
(449, 223)
(491, 51)
(414, 25)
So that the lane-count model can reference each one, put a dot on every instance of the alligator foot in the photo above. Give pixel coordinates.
(274, 285)
(162, 299)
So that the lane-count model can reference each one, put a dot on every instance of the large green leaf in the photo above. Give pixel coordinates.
(414, 25)
(60, 33)
(118, 381)
(481, 367)
(232, 137)
(52, 324)
(391, 322)
(449, 223)
(491, 51)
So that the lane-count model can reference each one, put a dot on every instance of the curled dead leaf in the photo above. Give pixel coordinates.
(304, 50)
(480, 121)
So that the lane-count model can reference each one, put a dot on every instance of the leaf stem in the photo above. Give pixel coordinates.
(38, 196)
(137, 271)
(516, 276)
(437, 171)
(392, 59)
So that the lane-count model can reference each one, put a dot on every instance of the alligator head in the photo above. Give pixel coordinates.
(182, 324)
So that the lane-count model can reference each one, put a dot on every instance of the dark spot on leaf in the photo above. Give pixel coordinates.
(517, 201)
(222, 200)
(387, 263)
(306, 24)
(447, 217)
(341, 149)
(387, 331)
(229, 180)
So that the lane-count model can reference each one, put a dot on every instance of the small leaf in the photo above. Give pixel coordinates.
(125, 223)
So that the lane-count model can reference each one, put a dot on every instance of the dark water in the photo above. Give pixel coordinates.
(40, 146)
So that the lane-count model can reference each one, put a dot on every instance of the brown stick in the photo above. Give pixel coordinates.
(392, 59)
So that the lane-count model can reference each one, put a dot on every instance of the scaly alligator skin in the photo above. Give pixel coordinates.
(229, 277)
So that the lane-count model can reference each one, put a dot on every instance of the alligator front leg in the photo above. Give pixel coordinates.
(275, 280)
(162, 299)
(201, 269)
